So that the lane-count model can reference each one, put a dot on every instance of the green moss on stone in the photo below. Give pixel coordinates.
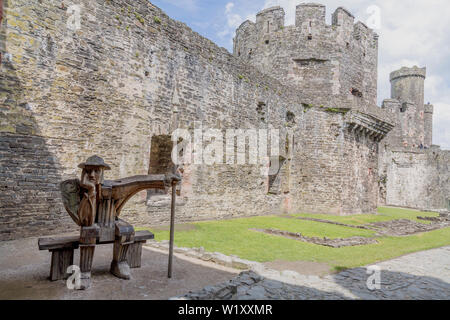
(337, 110)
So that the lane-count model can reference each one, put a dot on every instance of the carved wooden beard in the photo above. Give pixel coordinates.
(91, 176)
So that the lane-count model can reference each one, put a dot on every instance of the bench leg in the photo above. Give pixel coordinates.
(61, 260)
(124, 233)
(88, 237)
(135, 254)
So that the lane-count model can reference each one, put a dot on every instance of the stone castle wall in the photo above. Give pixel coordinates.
(131, 74)
(418, 179)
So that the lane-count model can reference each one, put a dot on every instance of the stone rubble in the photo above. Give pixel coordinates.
(404, 227)
(334, 243)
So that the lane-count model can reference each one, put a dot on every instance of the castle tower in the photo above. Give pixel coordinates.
(407, 86)
(331, 65)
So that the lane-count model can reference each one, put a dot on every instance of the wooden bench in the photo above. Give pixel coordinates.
(62, 249)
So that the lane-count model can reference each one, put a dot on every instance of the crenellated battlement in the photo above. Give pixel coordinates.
(270, 20)
(310, 14)
(429, 108)
(342, 17)
(408, 72)
(337, 60)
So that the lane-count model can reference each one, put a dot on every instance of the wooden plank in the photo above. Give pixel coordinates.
(143, 235)
(58, 242)
(106, 234)
(53, 243)
(123, 228)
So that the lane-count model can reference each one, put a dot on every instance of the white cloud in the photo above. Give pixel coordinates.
(233, 21)
(441, 125)
(228, 7)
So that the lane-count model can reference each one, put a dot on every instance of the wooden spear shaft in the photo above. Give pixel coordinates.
(172, 227)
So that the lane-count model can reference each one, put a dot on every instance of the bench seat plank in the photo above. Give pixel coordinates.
(54, 243)
(143, 236)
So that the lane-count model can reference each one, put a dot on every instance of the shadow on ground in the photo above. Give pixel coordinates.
(393, 285)
(351, 284)
(24, 274)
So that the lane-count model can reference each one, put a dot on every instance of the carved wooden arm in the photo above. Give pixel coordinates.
(123, 189)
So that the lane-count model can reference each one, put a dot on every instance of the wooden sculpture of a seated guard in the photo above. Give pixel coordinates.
(95, 205)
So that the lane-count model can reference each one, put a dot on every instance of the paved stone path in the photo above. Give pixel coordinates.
(422, 275)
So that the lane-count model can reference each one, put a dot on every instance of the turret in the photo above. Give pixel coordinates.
(342, 21)
(310, 15)
(342, 17)
(428, 125)
(245, 40)
(407, 85)
(270, 20)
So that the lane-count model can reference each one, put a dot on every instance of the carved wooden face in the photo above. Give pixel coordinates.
(95, 174)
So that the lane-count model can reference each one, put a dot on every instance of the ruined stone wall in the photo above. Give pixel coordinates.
(130, 73)
(343, 172)
(418, 179)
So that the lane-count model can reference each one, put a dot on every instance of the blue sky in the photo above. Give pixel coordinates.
(412, 32)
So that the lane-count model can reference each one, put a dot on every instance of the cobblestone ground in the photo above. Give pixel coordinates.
(422, 275)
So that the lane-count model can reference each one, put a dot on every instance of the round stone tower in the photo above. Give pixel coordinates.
(407, 86)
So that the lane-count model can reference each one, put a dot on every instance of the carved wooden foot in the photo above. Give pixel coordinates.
(121, 270)
(119, 265)
(124, 238)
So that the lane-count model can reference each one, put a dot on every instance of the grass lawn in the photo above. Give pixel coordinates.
(384, 214)
(234, 237)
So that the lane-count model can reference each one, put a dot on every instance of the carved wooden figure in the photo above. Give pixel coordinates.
(95, 205)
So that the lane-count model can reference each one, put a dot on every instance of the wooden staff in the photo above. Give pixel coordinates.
(172, 226)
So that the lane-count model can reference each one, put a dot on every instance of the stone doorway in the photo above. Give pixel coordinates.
(160, 163)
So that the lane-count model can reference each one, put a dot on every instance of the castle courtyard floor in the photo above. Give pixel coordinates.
(418, 276)
(24, 271)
